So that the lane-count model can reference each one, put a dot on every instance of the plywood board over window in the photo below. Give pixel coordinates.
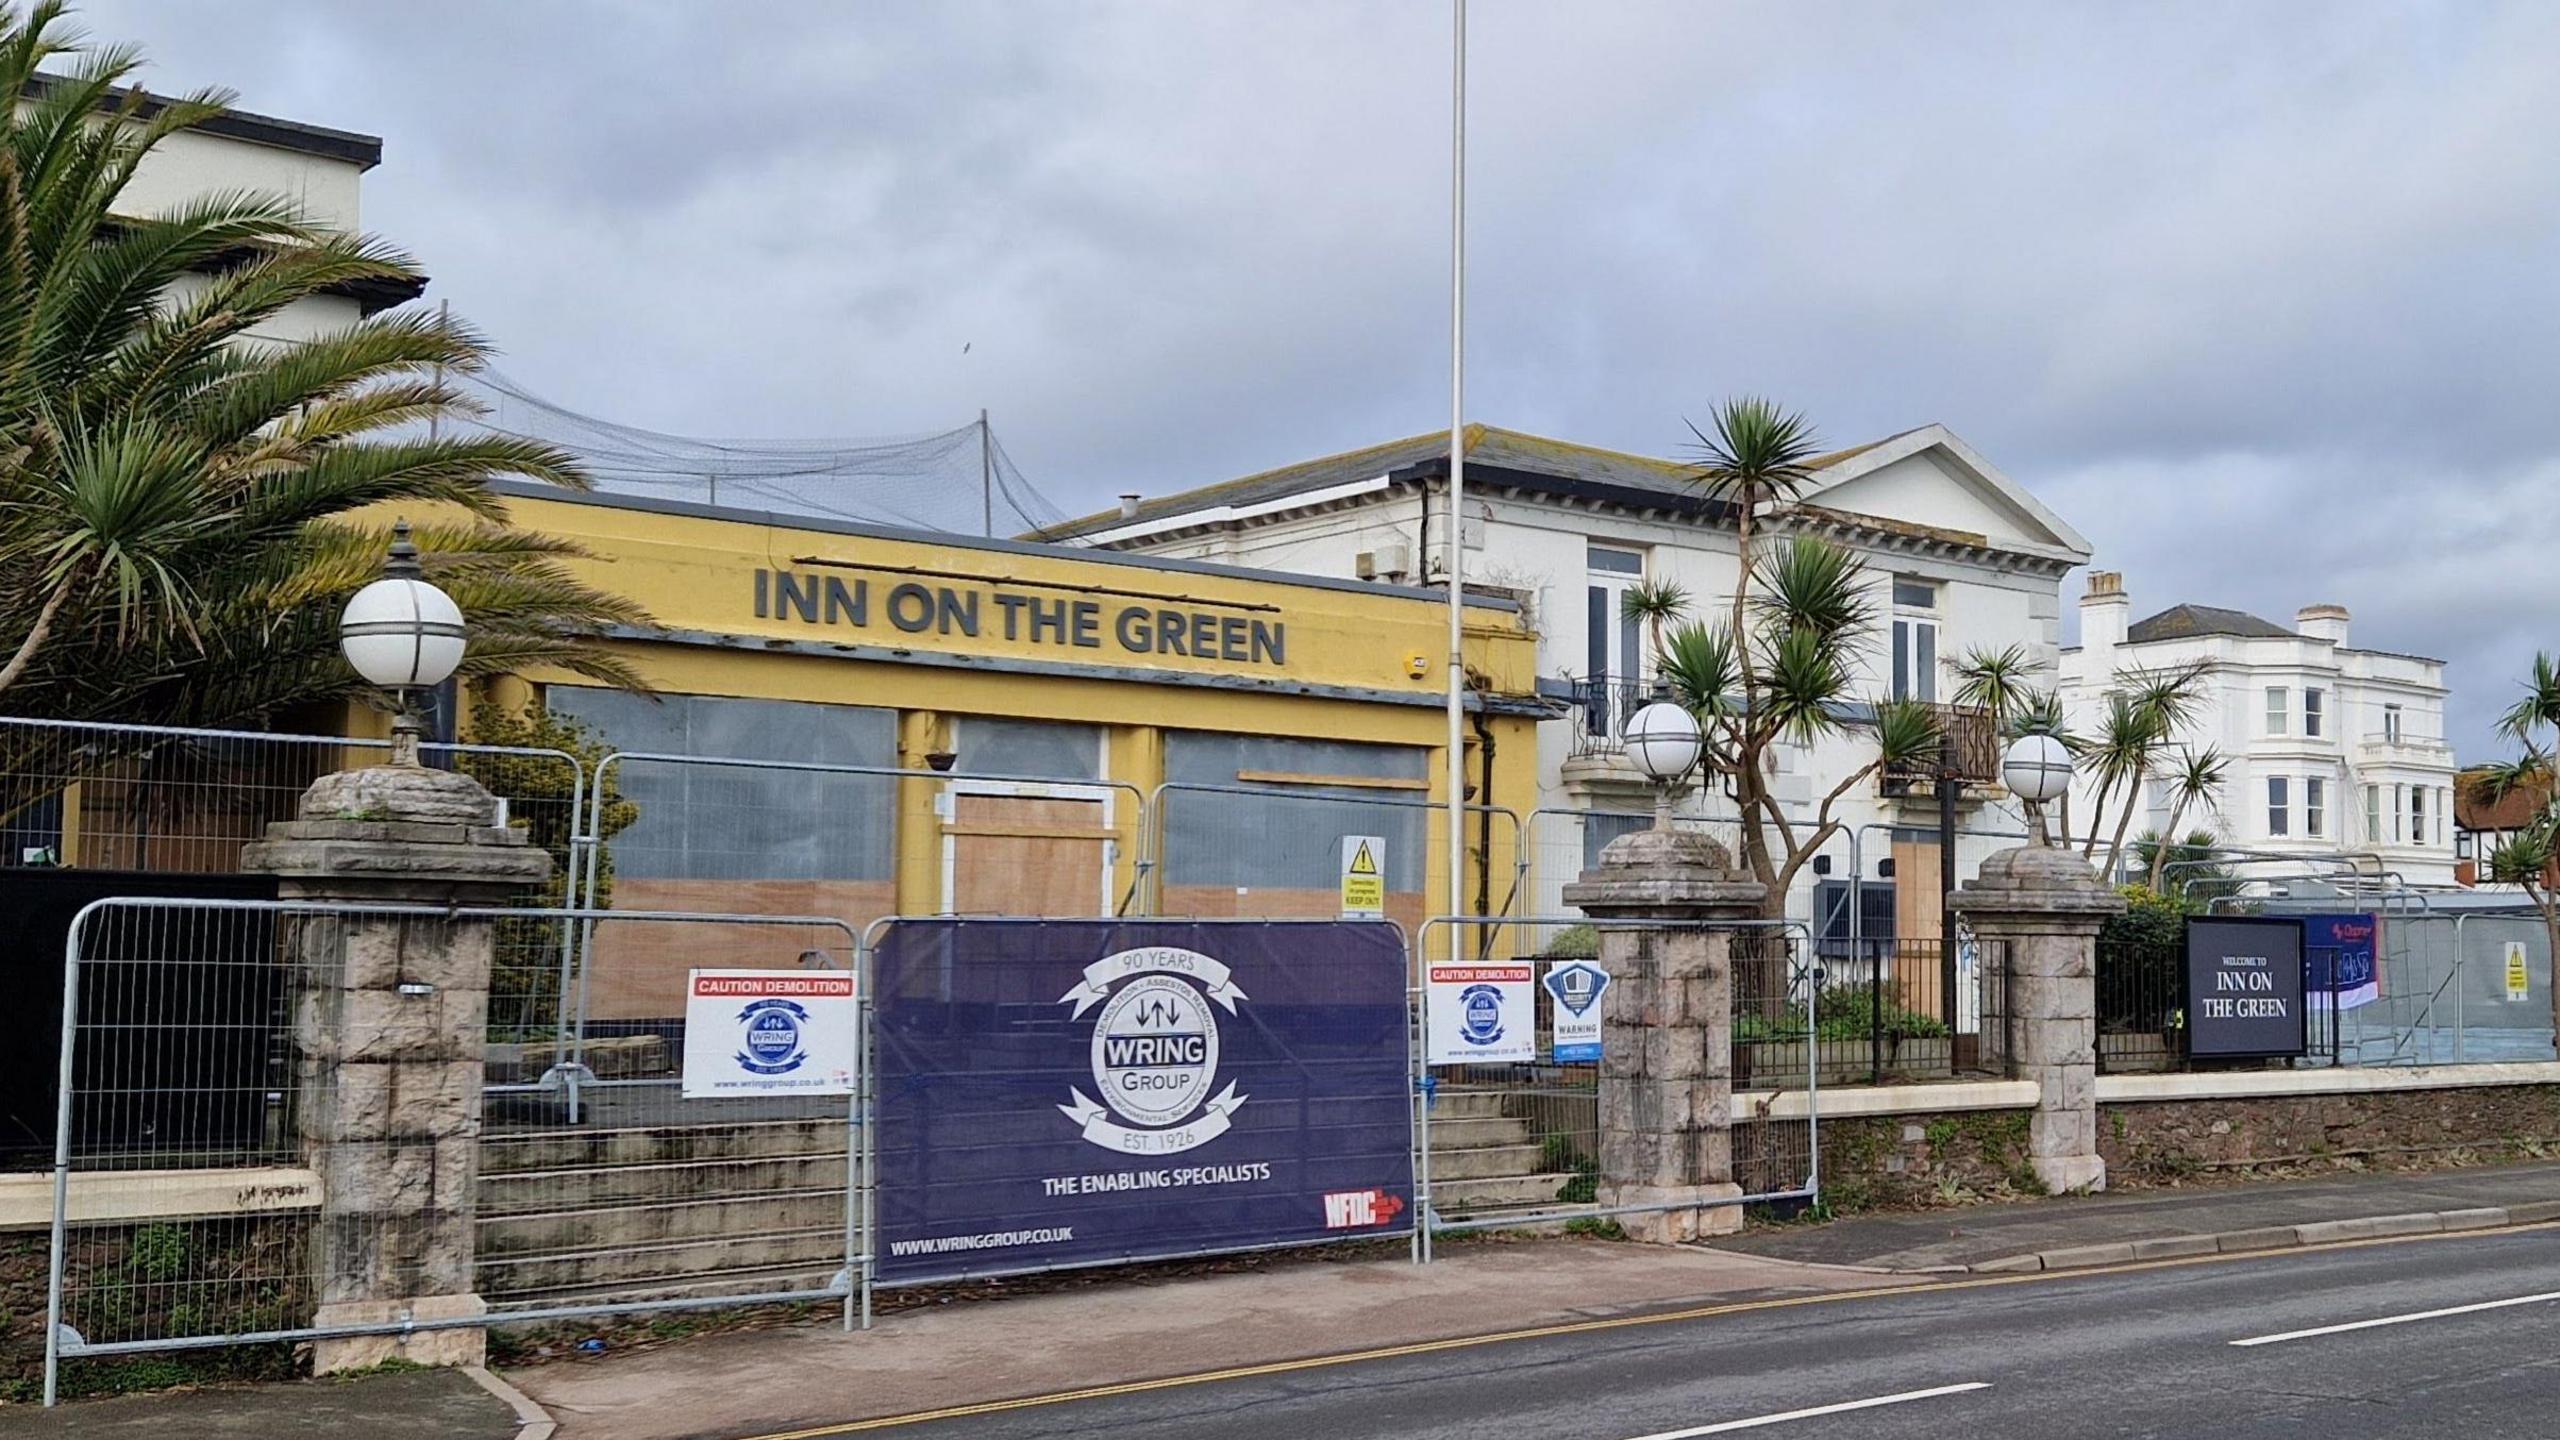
(1029, 855)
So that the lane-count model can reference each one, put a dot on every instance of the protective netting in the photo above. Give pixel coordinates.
(959, 481)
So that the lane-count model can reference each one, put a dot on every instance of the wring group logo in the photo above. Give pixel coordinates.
(1154, 1051)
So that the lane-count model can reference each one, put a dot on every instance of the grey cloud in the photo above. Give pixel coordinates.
(2209, 277)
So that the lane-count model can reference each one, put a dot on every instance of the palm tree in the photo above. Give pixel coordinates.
(1759, 454)
(2197, 779)
(184, 502)
(1656, 603)
(1804, 633)
(2140, 720)
(1999, 682)
(2526, 859)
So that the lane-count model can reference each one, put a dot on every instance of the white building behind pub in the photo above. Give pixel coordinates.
(1960, 557)
(2334, 750)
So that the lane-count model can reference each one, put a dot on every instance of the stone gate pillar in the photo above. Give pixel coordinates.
(2037, 911)
(389, 1029)
(1666, 1053)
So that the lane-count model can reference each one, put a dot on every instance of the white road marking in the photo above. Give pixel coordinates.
(2399, 1319)
(1755, 1422)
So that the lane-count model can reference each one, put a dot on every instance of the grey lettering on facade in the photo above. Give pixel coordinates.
(916, 608)
(1132, 629)
(911, 608)
(791, 592)
(1049, 618)
(848, 607)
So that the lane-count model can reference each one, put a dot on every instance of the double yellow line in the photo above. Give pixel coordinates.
(1587, 1327)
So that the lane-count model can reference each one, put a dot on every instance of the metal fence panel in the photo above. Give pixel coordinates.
(1275, 852)
(1058, 1094)
(208, 1106)
(1519, 1143)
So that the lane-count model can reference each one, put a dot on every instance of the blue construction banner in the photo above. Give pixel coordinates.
(2340, 949)
(1074, 1092)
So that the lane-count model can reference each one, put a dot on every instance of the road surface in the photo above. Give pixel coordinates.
(2451, 1338)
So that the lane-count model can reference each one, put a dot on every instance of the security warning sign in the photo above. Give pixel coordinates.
(1477, 1012)
(769, 1032)
(2519, 977)
(1364, 877)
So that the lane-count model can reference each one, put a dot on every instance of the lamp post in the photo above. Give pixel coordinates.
(1662, 739)
(403, 634)
(2037, 769)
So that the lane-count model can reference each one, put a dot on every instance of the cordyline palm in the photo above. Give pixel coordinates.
(2525, 859)
(2140, 720)
(2196, 779)
(1753, 454)
(1790, 674)
(1656, 603)
(179, 491)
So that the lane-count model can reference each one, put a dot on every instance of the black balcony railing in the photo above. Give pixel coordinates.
(1974, 753)
(1603, 704)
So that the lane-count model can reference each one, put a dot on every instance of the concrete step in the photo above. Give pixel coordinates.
(508, 1151)
(1453, 1104)
(547, 1275)
(517, 1192)
(1466, 1134)
(767, 1281)
(1504, 1192)
(1486, 1162)
(612, 1227)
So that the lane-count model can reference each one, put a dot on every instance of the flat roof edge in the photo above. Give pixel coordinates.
(781, 520)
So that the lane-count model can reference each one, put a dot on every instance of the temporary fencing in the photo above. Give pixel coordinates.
(1277, 850)
(230, 1070)
(1519, 1141)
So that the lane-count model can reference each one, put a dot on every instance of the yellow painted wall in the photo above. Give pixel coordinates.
(698, 576)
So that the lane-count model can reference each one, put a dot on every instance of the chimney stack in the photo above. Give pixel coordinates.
(2104, 613)
(1128, 504)
(2323, 622)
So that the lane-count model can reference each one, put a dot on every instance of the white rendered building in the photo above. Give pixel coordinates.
(2333, 750)
(1960, 556)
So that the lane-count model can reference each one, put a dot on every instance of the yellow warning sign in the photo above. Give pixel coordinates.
(2519, 978)
(1364, 877)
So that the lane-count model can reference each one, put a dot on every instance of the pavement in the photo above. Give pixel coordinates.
(409, 1405)
(1147, 1332)
(2442, 1337)
(759, 1382)
(2107, 1229)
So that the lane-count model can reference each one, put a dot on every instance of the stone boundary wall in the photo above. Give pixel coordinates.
(1910, 1157)
(2166, 1142)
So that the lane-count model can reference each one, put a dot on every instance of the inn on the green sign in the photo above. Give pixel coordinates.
(995, 611)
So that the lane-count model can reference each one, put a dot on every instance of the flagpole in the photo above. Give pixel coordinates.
(1455, 676)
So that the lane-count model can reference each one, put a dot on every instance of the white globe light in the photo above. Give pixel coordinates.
(1662, 740)
(402, 634)
(2036, 767)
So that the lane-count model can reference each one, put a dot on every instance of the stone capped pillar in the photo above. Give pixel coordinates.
(390, 1029)
(1666, 1053)
(2037, 911)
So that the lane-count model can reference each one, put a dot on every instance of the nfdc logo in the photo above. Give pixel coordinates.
(1354, 1209)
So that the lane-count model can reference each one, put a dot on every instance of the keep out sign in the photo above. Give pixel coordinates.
(2244, 987)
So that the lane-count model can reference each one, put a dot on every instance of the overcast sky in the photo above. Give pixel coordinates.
(2259, 297)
